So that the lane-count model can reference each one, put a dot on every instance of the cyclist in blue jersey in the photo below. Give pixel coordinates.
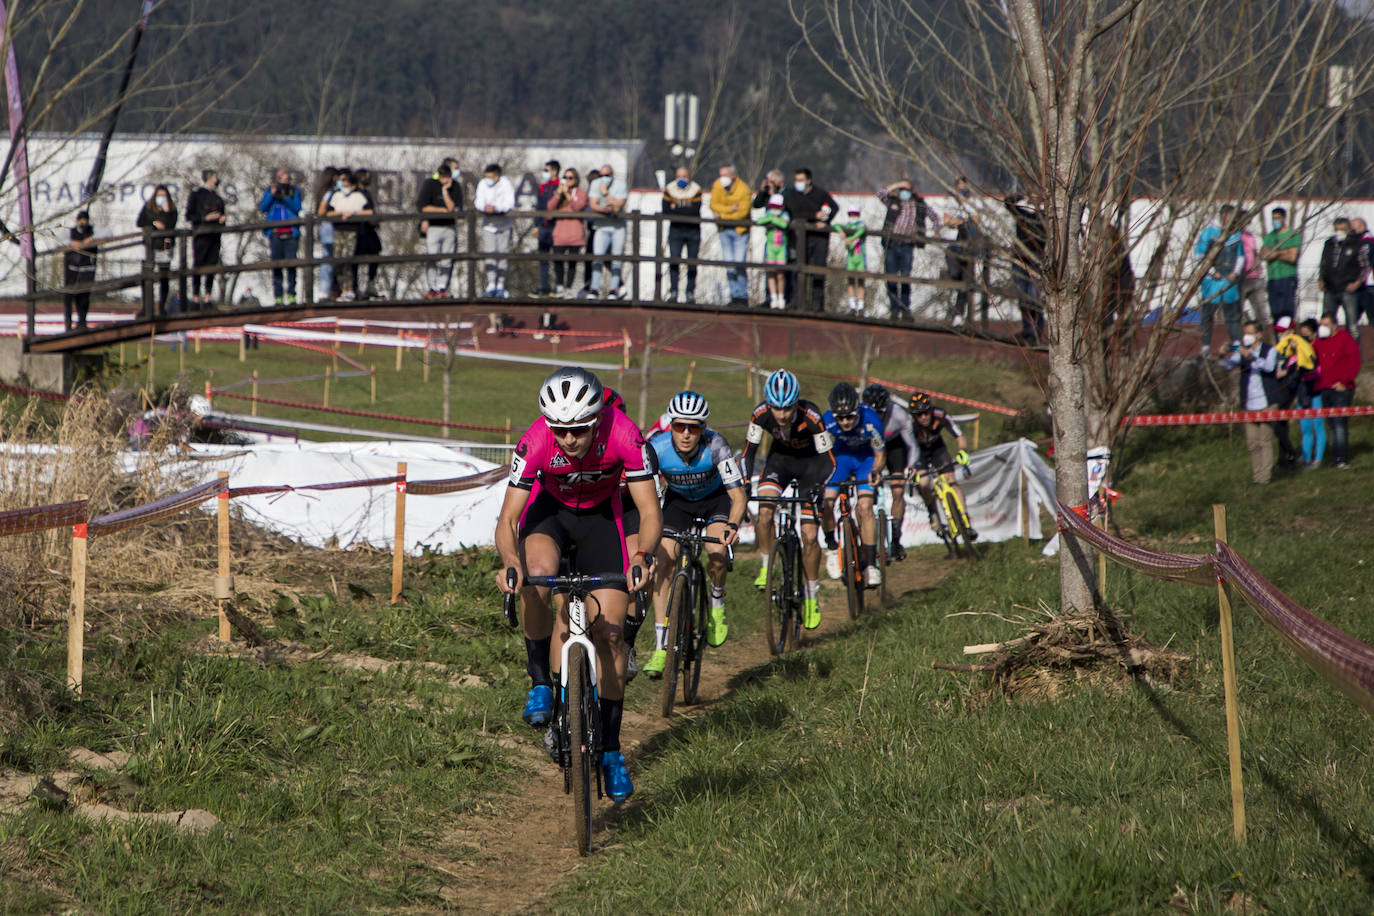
(902, 455)
(859, 453)
(702, 479)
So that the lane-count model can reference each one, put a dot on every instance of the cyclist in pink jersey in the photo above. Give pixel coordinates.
(578, 453)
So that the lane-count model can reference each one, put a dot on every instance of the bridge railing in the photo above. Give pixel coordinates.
(129, 268)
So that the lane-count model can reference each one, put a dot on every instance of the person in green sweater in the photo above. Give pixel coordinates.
(853, 231)
(1280, 248)
(775, 223)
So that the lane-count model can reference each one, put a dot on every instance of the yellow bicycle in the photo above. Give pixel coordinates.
(951, 517)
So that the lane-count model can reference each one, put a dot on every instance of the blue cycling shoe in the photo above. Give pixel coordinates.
(615, 779)
(539, 706)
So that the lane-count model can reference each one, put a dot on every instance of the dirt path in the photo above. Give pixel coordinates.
(522, 844)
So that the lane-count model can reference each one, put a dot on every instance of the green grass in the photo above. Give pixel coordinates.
(487, 393)
(336, 787)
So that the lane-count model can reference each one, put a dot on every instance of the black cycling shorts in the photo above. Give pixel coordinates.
(629, 514)
(895, 450)
(679, 513)
(597, 532)
(936, 459)
(810, 473)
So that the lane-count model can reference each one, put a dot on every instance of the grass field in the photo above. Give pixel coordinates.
(850, 776)
(488, 393)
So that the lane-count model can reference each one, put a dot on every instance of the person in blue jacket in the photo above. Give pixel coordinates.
(859, 453)
(281, 201)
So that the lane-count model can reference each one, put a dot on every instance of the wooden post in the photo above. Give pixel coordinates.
(644, 366)
(749, 381)
(255, 393)
(1228, 676)
(138, 352)
(243, 346)
(426, 358)
(508, 430)
(121, 353)
(334, 358)
(1102, 557)
(209, 392)
(181, 356)
(152, 362)
(224, 583)
(400, 337)
(691, 368)
(1025, 509)
(977, 422)
(372, 377)
(362, 340)
(76, 612)
(398, 542)
(327, 374)
(197, 336)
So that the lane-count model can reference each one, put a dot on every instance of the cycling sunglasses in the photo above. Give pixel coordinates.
(846, 416)
(681, 427)
(580, 430)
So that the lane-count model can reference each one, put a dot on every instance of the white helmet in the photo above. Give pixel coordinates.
(570, 395)
(688, 405)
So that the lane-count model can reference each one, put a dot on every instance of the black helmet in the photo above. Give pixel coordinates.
(919, 403)
(877, 397)
(844, 400)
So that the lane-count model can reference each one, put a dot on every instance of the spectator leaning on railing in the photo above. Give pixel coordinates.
(1339, 278)
(1279, 249)
(79, 268)
(608, 196)
(346, 202)
(730, 200)
(569, 235)
(281, 201)
(549, 183)
(904, 230)
(441, 197)
(205, 213)
(682, 197)
(495, 199)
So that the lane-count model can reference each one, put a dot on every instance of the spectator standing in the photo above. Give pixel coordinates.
(205, 214)
(1338, 362)
(730, 199)
(1252, 285)
(326, 185)
(495, 199)
(1313, 430)
(812, 208)
(682, 198)
(369, 236)
(775, 182)
(607, 197)
(1279, 250)
(777, 230)
(79, 269)
(1027, 265)
(346, 203)
(440, 199)
(1259, 390)
(904, 230)
(588, 265)
(158, 218)
(1364, 295)
(959, 256)
(1340, 277)
(549, 183)
(569, 235)
(281, 201)
(1220, 246)
(854, 233)
(1297, 364)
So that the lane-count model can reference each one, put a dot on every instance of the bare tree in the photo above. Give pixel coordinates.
(1128, 122)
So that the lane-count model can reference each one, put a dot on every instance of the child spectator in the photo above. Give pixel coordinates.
(853, 231)
(775, 222)
(1313, 430)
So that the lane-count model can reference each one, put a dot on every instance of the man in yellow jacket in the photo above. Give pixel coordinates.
(730, 199)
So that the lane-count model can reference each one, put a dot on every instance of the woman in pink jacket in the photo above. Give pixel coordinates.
(569, 235)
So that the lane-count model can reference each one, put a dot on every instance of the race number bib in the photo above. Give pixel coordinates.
(517, 469)
(729, 472)
(824, 442)
(754, 434)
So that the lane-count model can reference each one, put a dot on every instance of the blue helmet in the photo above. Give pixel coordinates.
(781, 390)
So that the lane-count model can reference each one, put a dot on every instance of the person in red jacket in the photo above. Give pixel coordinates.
(1338, 362)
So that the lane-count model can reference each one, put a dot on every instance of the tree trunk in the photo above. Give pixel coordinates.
(1076, 577)
(448, 378)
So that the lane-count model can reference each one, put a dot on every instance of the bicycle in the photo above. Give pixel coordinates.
(851, 541)
(577, 719)
(687, 617)
(786, 588)
(952, 523)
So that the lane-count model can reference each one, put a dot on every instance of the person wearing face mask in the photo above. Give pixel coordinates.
(79, 265)
(1260, 389)
(682, 198)
(904, 230)
(730, 199)
(1340, 275)
(157, 219)
(205, 213)
(550, 180)
(1219, 246)
(1338, 362)
(608, 195)
(959, 256)
(1313, 430)
(812, 209)
(440, 198)
(1279, 249)
(495, 199)
(1364, 293)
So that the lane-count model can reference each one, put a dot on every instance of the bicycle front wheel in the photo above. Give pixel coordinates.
(696, 637)
(959, 518)
(582, 750)
(778, 601)
(849, 569)
(679, 603)
(880, 556)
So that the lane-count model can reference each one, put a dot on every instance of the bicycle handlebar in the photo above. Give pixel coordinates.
(578, 583)
(512, 616)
